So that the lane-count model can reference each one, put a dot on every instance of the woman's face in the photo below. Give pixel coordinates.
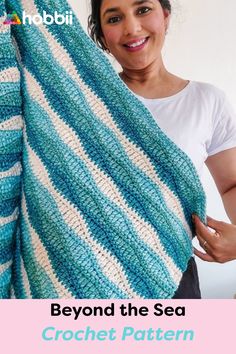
(134, 31)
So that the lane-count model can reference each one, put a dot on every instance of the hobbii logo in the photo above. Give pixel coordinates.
(48, 19)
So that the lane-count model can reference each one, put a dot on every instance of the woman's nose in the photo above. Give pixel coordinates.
(132, 26)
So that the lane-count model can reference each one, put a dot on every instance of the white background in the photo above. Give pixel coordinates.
(201, 45)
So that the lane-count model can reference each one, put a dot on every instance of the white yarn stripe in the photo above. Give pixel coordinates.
(12, 292)
(72, 217)
(10, 218)
(25, 279)
(5, 266)
(9, 75)
(13, 171)
(145, 231)
(137, 156)
(42, 258)
(3, 28)
(14, 123)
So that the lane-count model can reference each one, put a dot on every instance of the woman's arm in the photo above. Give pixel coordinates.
(222, 167)
(220, 246)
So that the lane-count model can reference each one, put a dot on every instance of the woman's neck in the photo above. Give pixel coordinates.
(153, 81)
(154, 72)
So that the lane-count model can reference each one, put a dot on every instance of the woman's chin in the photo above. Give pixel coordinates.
(137, 66)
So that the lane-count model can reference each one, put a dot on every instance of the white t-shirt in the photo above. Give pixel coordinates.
(198, 119)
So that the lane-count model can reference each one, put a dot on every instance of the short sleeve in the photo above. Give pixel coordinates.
(224, 130)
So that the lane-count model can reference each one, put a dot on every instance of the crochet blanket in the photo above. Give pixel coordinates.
(96, 201)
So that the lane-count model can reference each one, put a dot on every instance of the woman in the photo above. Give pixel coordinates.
(134, 33)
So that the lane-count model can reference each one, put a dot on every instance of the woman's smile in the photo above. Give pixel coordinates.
(136, 44)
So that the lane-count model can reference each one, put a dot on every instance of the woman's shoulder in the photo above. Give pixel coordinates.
(208, 92)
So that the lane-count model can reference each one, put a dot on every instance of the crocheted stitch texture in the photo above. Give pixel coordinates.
(96, 201)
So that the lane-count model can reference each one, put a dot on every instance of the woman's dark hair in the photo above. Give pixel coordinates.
(94, 22)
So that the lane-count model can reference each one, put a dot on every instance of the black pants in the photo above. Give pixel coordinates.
(189, 284)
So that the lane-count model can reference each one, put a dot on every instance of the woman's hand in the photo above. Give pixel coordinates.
(219, 244)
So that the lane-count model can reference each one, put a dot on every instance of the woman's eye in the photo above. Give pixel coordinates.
(113, 19)
(144, 10)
